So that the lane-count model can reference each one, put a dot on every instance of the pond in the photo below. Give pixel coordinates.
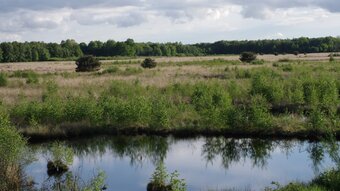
(206, 163)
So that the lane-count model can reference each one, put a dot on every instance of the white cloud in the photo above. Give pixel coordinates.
(171, 20)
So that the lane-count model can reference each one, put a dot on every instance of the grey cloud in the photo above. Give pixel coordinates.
(84, 12)
(22, 20)
(131, 19)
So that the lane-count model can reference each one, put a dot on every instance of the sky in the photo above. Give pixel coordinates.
(187, 21)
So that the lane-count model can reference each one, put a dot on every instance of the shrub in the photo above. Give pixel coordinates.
(162, 181)
(3, 80)
(149, 63)
(248, 57)
(59, 159)
(267, 85)
(211, 102)
(259, 115)
(12, 147)
(160, 114)
(87, 64)
(331, 58)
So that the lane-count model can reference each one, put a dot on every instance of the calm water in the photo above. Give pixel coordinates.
(205, 163)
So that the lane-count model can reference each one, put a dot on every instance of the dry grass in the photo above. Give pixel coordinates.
(69, 66)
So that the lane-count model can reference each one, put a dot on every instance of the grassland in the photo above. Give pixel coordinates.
(286, 95)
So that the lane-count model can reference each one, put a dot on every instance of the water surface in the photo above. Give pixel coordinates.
(205, 163)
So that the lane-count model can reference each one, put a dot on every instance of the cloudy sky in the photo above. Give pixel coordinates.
(188, 21)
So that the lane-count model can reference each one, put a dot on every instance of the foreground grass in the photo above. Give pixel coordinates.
(217, 97)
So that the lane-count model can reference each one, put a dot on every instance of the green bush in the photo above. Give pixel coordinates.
(149, 63)
(211, 102)
(162, 181)
(12, 147)
(248, 57)
(87, 64)
(3, 80)
(268, 85)
(258, 112)
(160, 114)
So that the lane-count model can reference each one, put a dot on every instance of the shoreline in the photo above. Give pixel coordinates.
(309, 135)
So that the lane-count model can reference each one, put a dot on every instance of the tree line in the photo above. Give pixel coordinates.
(41, 51)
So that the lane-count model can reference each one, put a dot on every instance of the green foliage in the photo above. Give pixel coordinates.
(62, 153)
(326, 181)
(97, 183)
(160, 116)
(267, 84)
(259, 115)
(211, 102)
(255, 115)
(162, 181)
(12, 147)
(257, 62)
(248, 57)
(131, 71)
(32, 78)
(111, 70)
(87, 64)
(3, 80)
(149, 63)
(11, 142)
(329, 179)
(287, 67)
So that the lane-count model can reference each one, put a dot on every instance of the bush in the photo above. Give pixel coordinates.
(248, 57)
(87, 64)
(12, 147)
(61, 157)
(162, 181)
(211, 103)
(3, 80)
(149, 63)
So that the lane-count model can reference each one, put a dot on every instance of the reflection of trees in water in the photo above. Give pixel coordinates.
(258, 151)
(138, 149)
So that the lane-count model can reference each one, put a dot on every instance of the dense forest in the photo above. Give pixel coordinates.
(70, 49)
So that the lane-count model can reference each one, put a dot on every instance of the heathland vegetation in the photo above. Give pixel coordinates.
(285, 98)
(71, 50)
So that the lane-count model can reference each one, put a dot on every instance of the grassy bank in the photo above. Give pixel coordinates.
(217, 97)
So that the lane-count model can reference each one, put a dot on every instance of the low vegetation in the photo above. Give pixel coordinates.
(326, 181)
